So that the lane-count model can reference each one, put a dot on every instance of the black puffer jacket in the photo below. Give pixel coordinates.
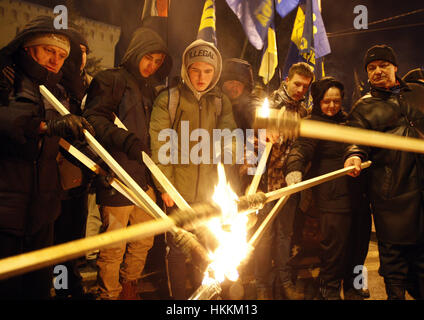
(29, 183)
(325, 156)
(396, 183)
(125, 93)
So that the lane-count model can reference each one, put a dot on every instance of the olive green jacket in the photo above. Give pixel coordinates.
(195, 182)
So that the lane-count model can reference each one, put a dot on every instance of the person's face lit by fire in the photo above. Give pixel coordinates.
(201, 75)
(233, 89)
(150, 63)
(297, 86)
(382, 73)
(48, 56)
(331, 103)
(83, 56)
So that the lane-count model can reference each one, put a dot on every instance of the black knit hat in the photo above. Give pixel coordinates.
(240, 70)
(380, 52)
(320, 87)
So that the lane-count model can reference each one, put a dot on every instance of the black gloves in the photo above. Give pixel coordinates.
(134, 152)
(69, 126)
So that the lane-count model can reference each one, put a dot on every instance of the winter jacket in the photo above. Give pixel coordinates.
(243, 107)
(244, 111)
(325, 156)
(396, 177)
(195, 182)
(125, 93)
(279, 151)
(29, 183)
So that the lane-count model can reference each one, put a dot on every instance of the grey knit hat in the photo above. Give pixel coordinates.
(201, 53)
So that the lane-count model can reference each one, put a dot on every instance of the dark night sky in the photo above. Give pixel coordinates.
(347, 51)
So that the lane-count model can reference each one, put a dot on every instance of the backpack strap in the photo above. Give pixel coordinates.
(173, 102)
(218, 105)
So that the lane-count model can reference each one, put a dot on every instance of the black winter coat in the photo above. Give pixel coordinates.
(29, 184)
(325, 156)
(124, 93)
(30, 192)
(396, 182)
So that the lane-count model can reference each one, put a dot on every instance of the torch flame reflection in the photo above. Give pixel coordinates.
(264, 111)
(231, 232)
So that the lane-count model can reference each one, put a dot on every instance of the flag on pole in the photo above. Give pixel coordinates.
(284, 7)
(309, 42)
(155, 8)
(269, 60)
(255, 16)
(155, 16)
(321, 44)
(207, 28)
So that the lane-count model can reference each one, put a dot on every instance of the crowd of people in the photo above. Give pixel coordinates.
(48, 197)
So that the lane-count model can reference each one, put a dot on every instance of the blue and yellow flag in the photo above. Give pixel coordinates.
(284, 7)
(207, 28)
(255, 16)
(309, 42)
(269, 60)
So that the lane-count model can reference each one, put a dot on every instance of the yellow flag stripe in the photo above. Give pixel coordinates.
(208, 17)
(207, 24)
(270, 58)
(297, 33)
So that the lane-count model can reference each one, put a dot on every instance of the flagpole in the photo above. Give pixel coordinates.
(276, 42)
(243, 51)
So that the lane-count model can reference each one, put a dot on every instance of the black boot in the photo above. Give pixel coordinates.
(395, 291)
(351, 293)
(329, 290)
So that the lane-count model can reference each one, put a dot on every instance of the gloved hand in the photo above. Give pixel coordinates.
(293, 177)
(188, 243)
(134, 152)
(69, 126)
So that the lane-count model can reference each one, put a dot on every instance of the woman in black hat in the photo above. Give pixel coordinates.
(333, 199)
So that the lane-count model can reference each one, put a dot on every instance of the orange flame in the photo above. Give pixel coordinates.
(233, 247)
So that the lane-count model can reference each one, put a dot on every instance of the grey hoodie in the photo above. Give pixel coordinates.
(184, 68)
